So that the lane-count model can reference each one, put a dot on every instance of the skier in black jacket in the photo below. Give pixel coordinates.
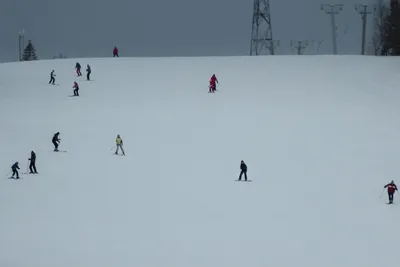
(78, 69)
(32, 165)
(243, 168)
(56, 141)
(52, 79)
(89, 71)
(15, 169)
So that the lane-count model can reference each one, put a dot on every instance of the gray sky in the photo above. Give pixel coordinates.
(91, 28)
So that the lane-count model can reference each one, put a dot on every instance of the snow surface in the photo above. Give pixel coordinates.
(320, 136)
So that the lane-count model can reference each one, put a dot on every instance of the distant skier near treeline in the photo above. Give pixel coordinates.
(78, 69)
(56, 140)
(15, 169)
(52, 79)
(32, 165)
(115, 52)
(391, 189)
(89, 71)
(76, 89)
(213, 84)
(243, 170)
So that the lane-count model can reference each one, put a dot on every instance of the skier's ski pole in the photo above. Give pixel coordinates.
(113, 147)
(382, 192)
(27, 166)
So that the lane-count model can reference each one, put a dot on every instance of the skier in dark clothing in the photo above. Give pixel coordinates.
(89, 71)
(32, 165)
(391, 189)
(76, 89)
(56, 141)
(78, 69)
(52, 79)
(115, 52)
(243, 168)
(15, 169)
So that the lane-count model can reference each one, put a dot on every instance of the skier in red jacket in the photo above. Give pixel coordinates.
(391, 188)
(213, 84)
(115, 52)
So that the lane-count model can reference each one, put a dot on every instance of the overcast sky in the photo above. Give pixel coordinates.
(91, 28)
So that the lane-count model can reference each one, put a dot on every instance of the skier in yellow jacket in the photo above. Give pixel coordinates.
(119, 145)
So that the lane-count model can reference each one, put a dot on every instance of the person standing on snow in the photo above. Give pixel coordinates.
(115, 52)
(391, 189)
(89, 71)
(243, 170)
(78, 69)
(213, 84)
(15, 169)
(32, 165)
(76, 89)
(52, 79)
(56, 141)
(119, 145)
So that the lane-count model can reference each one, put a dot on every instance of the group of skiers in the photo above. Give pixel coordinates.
(32, 166)
(56, 141)
(79, 73)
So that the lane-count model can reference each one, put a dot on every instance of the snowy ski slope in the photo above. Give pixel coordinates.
(320, 136)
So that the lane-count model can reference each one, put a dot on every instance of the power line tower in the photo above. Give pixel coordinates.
(362, 9)
(333, 10)
(261, 31)
(299, 46)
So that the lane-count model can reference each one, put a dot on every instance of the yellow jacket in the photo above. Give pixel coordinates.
(118, 141)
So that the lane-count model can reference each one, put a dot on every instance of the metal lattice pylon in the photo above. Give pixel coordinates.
(261, 32)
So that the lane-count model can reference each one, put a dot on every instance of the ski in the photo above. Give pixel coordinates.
(243, 181)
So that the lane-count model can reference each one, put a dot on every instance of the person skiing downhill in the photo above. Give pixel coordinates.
(32, 165)
(76, 89)
(15, 169)
(78, 69)
(56, 141)
(89, 71)
(115, 52)
(52, 79)
(243, 170)
(391, 189)
(120, 143)
(213, 84)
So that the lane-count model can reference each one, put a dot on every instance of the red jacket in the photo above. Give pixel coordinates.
(213, 79)
(391, 188)
(115, 51)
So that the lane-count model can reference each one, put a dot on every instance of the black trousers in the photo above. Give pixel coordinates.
(88, 76)
(78, 71)
(116, 55)
(32, 166)
(391, 197)
(245, 175)
(15, 172)
(55, 145)
(52, 80)
(76, 92)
